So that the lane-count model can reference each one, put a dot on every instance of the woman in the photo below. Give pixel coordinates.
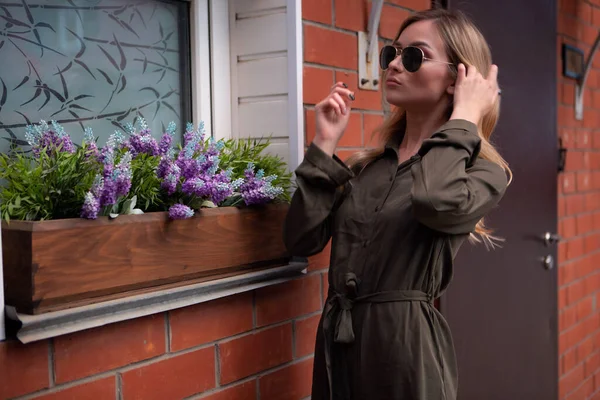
(399, 214)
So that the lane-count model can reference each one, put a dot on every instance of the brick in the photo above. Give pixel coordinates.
(568, 7)
(592, 364)
(575, 204)
(288, 300)
(574, 161)
(583, 391)
(567, 25)
(568, 93)
(584, 181)
(391, 20)
(371, 123)
(207, 322)
(594, 160)
(567, 228)
(567, 182)
(566, 116)
(345, 154)
(306, 333)
(589, 34)
(575, 248)
(351, 14)
(595, 16)
(596, 140)
(317, 83)
(317, 10)
(592, 202)
(585, 224)
(102, 389)
(567, 136)
(173, 378)
(353, 135)
(416, 5)
(584, 138)
(244, 391)
(109, 347)
(320, 261)
(24, 368)
(575, 292)
(562, 252)
(570, 381)
(585, 308)
(567, 273)
(291, 383)
(365, 99)
(562, 210)
(325, 285)
(567, 319)
(246, 355)
(585, 348)
(328, 47)
(568, 361)
(592, 243)
(596, 180)
(597, 221)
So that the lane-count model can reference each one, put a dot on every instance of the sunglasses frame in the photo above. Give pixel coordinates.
(399, 54)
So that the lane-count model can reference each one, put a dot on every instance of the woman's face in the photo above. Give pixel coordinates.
(420, 90)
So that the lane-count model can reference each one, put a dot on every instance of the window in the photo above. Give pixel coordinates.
(234, 64)
(98, 65)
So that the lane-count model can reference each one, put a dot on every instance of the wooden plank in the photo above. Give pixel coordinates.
(258, 35)
(244, 6)
(262, 77)
(274, 124)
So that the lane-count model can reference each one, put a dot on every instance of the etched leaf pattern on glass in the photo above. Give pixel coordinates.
(90, 63)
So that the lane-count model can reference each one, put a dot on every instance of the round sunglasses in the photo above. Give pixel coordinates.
(412, 57)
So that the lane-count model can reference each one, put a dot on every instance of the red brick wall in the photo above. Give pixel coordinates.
(579, 212)
(237, 348)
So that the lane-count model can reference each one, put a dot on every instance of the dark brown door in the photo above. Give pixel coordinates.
(502, 304)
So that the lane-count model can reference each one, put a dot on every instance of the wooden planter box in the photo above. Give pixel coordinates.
(53, 265)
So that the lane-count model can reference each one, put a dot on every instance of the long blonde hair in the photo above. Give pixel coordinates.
(465, 44)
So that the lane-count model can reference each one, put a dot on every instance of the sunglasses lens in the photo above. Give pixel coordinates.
(386, 56)
(412, 58)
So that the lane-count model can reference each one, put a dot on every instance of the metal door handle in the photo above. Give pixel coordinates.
(548, 262)
(550, 238)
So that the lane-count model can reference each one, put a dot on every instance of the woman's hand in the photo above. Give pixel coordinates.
(474, 95)
(332, 115)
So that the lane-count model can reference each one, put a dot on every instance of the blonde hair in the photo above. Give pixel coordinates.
(465, 44)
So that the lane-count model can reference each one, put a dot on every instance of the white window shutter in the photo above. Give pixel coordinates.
(266, 73)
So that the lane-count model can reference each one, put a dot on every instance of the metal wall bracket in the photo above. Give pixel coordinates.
(580, 85)
(368, 50)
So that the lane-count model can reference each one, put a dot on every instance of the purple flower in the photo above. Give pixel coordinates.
(258, 189)
(180, 211)
(170, 173)
(91, 206)
(164, 147)
(90, 144)
(43, 138)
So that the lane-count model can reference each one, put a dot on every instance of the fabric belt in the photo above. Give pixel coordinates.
(337, 317)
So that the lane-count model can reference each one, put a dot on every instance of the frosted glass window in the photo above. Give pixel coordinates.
(97, 63)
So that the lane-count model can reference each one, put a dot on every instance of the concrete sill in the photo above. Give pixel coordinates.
(38, 327)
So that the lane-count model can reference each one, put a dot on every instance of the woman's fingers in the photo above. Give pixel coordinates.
(343, 104)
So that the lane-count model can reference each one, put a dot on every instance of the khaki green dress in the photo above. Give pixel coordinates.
(395, 230)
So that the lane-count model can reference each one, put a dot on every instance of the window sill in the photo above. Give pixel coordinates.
(52, 324)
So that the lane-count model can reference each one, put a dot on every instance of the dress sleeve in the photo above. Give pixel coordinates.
(453, 189)
(321, 180)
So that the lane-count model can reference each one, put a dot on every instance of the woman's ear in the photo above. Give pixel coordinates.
(450, 89)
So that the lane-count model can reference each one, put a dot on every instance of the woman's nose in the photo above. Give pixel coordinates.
(396, 64)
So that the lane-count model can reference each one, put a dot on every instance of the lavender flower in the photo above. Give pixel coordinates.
(90, 143)
(43, 138)
(164, 147)
(91, 206)
(180, 211)
(142, 142)
(258, 189)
